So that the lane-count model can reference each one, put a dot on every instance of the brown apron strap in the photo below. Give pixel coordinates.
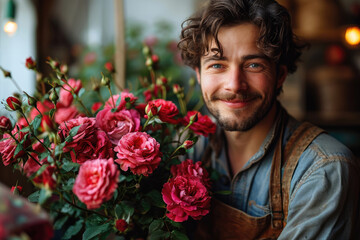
(276, 205)
(298, 142)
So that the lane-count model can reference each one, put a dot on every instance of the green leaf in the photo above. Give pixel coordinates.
(159, 235)
(59, 148)
(18, 149)
(52, 112)
(118, 101)
(122, 178)
(156, 225)
(68, 185)
(81, 92)
(72, 133)
(73, 230)
(36, 122)
(156, 198)
(177, 235)
(59, 223)
(145, 206)
(93, 231)
(69, 166)
(44, 195)
(34, 197)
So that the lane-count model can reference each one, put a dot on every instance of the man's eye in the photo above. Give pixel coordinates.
(216, 66)
(254, 65)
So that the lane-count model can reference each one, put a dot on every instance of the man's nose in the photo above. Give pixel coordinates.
(236, 80)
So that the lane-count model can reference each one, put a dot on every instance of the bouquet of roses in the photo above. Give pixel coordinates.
(113, 169)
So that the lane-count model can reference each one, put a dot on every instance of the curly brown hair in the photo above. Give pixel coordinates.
(277, 40)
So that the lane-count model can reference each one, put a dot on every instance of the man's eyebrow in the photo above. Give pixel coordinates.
(210, 58)
(254, 56)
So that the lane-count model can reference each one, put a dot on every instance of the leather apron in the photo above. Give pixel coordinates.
(226, 222)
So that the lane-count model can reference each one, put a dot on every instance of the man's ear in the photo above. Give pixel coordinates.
(197, 70)
(282, 74)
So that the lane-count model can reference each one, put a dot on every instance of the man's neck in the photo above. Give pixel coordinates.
(241, 146)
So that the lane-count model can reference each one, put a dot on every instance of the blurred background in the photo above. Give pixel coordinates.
(85, 34)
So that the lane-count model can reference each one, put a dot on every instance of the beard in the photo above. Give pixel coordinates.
(235, 121)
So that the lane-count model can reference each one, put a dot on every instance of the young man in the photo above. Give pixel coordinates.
(287, 180)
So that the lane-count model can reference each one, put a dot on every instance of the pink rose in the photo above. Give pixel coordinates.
(139, 152)
(85, 132)
(103, 147)
(203, 126)
(96, 182)
(8, 146)
(168, 110)
(66, 113)
(117, 124)
(66, 97)
(188, 169)
(186, 196)
(124, 96)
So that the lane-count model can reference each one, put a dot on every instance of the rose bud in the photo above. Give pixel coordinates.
(146, 50)
(121, 225)
(53, 64)
(188, 144)
(31, 100)
(13, 103)
(109, 66)
(151, 110)
(5, 124)
(30, 63)
(155, 58)
(176, 88)
(193, 118)
(16, 189)
(105, 81)
(164, 80)
(64, 68)
(53, 96)
(148, 62)
(6, 73)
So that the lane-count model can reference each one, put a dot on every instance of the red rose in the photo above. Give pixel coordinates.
(85, 132)
(47, 178)
(186, 196)
(153, 93)
(124, 96)
(188, 169)
(121, 225)
(66, 97)
(13, 103)
(96, 182)
(117, 124)
(167, 112)
(139, 152)
(8, 146)
(30, 63)
(5, 124)
(203, 126)
(65, 114)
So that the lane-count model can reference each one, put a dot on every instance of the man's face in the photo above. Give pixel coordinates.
(239, 89)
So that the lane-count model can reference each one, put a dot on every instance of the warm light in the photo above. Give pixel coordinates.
(10, 27)
(352, 35)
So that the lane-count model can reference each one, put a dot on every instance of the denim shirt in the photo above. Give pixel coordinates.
(324, 191)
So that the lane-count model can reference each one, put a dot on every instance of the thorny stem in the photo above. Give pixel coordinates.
(111, 96)
(84, 209)
(16, 85)
(152, 75)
